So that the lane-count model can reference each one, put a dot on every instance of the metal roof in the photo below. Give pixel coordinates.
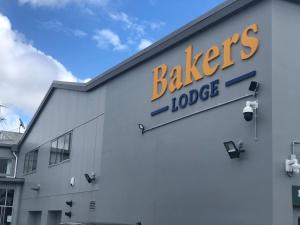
(208, 19)
(9, 137)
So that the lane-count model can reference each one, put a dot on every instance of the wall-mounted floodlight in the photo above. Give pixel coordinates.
(69, 203)
(68, 214)
(291, 165)
(36, 188)
(233, 150)
(254, 85)
(141, 127)
(90, 178)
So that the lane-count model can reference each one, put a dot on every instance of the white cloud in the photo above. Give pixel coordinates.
(88, 11)
(137, 28)
(144, 43)
(156, 25)
(130, 23)
(26, 73)
(106, 38)
(79, 33)
(62, 3)
(58, 26)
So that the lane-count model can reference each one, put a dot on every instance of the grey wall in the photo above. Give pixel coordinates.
(180, 173)
(83, 113)
(285, 107)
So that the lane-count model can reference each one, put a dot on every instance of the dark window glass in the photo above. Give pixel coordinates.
(66, 151)
(2, 196)
(10, 197)
(6, 166)
(53, 152)
(30, 161)
(25, 163)
(34, 163)
(8, 212)
(3, 165)
(60, 149)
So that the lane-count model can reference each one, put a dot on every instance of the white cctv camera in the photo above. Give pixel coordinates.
(249, 110)
(72, 181)
(292, 166)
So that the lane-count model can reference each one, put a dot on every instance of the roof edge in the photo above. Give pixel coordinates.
(8, 146)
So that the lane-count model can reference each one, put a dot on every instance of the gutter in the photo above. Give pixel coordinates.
(16, 164)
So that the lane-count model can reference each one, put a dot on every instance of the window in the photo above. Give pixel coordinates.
(60, 149)
(6, 205)
(30, 161)
(6, 166)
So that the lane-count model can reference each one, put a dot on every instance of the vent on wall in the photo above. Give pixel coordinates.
(92, 205)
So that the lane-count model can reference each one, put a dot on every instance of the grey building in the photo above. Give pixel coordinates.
(10, 185)
(159, 138)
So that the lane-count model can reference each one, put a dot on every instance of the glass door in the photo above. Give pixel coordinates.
(6, 204)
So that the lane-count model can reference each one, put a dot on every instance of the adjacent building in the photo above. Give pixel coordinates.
(195, 129)
(10, 185)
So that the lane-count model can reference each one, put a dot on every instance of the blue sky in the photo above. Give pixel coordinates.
(74, 40)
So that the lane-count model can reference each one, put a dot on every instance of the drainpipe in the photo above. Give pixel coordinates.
(16, 164)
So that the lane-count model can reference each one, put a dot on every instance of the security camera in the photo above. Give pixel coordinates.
(72, 181)
(248, 113)
(248, 110)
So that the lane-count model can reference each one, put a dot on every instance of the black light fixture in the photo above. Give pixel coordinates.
(69, 203)
(233, 150)
(36, 188)
(142, 128)
(254, 85)
(90, 178)
(68, 214)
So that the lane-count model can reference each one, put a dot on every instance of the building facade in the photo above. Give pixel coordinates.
(145, 142)
(10, 185)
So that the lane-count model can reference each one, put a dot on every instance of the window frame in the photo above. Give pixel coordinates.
(29, 158)
(59, 153)
(8, 159)
(5, 200)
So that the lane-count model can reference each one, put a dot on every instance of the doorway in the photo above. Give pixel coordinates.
(296, 216)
